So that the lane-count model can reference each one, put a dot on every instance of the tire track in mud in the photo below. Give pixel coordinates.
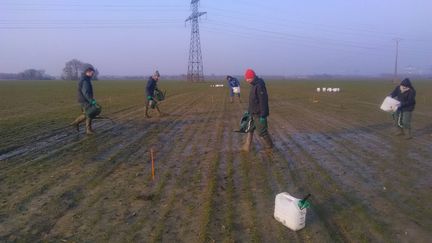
(302, 171)
(396, 186)
(211, 228)
(270, 180)
(176, 224)
(119, 175)
(92, 175)
(99, 194)
(200, 207)
(19, 171)
(44, 139)
(317, 172)
(262, 189)
(394, 180)
(46, 188)
(166, 217)
(369, 146)
(333, 156)
(105, 134)
(315, 230)
(53, 135)
(231, 220)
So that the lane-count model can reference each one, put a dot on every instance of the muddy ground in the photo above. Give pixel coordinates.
(367, 185)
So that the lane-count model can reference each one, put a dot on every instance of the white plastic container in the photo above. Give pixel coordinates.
(236, 90)
(318, 90)
(288, 212)
(389, 104)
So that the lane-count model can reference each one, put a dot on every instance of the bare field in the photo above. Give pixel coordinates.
(59, 186)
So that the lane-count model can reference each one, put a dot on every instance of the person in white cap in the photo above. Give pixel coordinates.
(234, 86)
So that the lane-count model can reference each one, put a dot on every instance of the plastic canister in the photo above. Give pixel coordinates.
(288, 212)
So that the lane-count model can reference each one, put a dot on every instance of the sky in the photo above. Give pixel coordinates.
(274, 37)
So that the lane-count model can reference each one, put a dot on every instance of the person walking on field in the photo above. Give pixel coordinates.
(234, 86)
(258, 109)
(150, 92)
(86, 99)
(405, 94)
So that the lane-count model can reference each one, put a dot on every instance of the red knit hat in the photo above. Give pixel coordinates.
(250, 74)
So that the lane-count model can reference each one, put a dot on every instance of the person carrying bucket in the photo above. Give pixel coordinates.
(258, 109)
(150, 93)
(234, 86)
(405, 94)
(86, 100)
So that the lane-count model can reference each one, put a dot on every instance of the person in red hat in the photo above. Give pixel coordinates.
(259, 110)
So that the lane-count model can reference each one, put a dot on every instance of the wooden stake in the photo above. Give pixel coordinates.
(152, 160)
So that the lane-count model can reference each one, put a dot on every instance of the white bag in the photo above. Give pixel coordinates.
(236, 90)
(390, 105)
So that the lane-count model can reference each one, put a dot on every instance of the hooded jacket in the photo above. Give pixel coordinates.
(85, 90)
(233, 82)
(151, 87)
(407, 99)
(258, 98)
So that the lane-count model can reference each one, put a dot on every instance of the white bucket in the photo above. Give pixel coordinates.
(288, 212)
(318, 90)
(236, 90)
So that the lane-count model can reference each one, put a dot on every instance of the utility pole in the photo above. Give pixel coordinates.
(395, 77)
(195, 67)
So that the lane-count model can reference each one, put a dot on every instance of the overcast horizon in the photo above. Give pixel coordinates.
(274, 37)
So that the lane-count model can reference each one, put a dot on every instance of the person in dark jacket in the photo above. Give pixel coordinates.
(405, 94)
(150, 90)
(234, 86)
(85, 99)
(259, 110)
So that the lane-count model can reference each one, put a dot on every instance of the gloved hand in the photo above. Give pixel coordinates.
(93, 102)
(263, 120)
(149, 98)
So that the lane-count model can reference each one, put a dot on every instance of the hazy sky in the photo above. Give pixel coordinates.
(280, 37)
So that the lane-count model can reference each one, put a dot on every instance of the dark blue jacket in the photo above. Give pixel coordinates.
(151, 87)
(233, 82)
(407, 99)
(258, 99)
(85, 90)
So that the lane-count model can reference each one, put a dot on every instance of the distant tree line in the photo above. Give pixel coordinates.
(28, 74)
(72, 71)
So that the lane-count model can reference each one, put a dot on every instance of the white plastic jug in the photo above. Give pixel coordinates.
(288, 212)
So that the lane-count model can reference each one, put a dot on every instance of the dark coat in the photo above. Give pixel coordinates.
(233, 82)
(258, 99)
(407, 99)
(85, 90)
(151, 87)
